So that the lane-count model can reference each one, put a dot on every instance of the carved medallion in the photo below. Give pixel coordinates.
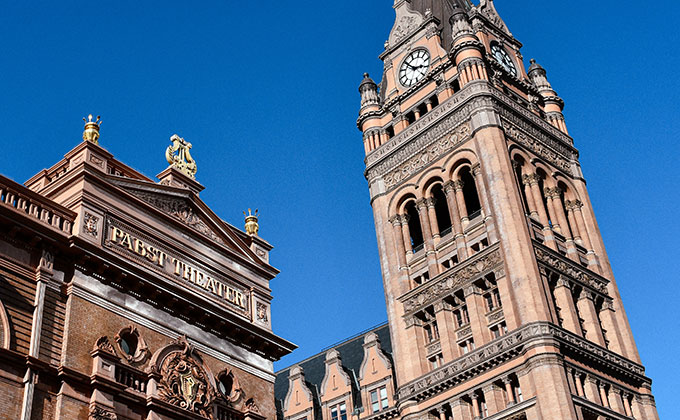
(185, 384)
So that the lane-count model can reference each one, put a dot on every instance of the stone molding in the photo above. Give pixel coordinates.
(511, 346)
(180, 209)
(538, 145)
(460, 277)
(537, 134)
(584, 277)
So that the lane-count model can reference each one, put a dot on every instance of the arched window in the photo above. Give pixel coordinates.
(563, 190)
(519, 173)
(441, 208)
(544, 200)
(472, 203)
(414, 227)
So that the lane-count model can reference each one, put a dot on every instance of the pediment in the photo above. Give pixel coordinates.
(186, 208)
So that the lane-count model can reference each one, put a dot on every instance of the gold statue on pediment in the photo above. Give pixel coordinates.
(178, 156)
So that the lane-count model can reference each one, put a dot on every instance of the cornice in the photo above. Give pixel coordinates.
(550, 259)
(437, 123)
(512, 346)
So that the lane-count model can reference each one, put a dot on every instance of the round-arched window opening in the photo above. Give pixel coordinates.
(129, 343)
(226, 385)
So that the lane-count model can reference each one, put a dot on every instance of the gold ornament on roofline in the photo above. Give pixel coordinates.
(91, 132)
(252, 226)
(179, 157)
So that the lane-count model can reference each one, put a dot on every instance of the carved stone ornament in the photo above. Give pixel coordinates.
(180, 209)
(185, 384)
(90, 223)
(141, 353)
(104, 345)
(488, 10)
(252, 407)
(538, 147)
(473, 269)
(100, 413)
(262, 313)
(426, 156)
(572, 270)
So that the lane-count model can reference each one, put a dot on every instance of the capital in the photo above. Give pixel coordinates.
(458, 184)
(530, 179)
(573, 205)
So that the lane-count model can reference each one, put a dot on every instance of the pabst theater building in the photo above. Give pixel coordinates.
(122, 297)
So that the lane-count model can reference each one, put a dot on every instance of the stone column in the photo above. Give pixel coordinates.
(611, 326)
(626, 405)
(432, 215)
(43, 275)
(604, 395)
(638, 409)
(447, 333)
(477, 310)
(527, 180)
(428, 105)
(486, 208)
(493, 395)
(572, 221)
(565, 300)
(416, 365)
(454, 213)
(406, 235)
(556, 197)
(591, 323)
(442, 413)
(616, 401)
(578, 379)
(593, 263)
(509, 392)
(592, 391)
(474, 397)
(550, 194)
(432, 266)
(460, 409)
(399, 240)
(542, 214)
(460, 199)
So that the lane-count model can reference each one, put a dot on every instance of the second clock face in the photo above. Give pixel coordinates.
(414, 68)
(504, 59)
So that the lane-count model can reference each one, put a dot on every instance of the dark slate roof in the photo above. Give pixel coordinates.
(352, 354)
(442, 10)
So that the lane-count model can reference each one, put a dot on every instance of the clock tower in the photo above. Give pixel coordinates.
(500, 295)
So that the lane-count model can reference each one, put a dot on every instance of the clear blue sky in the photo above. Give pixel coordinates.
(267, 93)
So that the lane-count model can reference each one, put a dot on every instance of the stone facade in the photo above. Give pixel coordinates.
(124, 298)
(501, 300)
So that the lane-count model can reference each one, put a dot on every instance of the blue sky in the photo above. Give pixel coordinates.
(267, 93)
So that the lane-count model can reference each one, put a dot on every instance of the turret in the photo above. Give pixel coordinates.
(369, 124)
(553, 103)
(467, 50)
(369, 93)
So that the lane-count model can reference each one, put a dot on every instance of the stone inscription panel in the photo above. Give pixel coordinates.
(135, 246)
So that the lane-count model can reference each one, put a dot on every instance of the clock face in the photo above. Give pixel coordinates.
(414, 68)
(504, 59)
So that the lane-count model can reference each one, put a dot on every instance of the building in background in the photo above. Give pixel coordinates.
(500, 297)
(124, 298)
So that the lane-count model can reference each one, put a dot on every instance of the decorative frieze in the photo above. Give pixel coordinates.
(567, 267)
(510, 346)
(478, 266)
(538, 146)
(180, 209)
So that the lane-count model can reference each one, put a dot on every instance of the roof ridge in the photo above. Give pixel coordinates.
(338, 344)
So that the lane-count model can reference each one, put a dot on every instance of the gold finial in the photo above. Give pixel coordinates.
(91, 132)
(252, 227)
(178, 156)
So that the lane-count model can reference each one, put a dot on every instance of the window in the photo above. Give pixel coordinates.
(436, 361)
(499, 330)
(339, 412)
(467, 346)
(430, 325)
(379, 399)
(414, 228)
(493, 299)
(462, 316)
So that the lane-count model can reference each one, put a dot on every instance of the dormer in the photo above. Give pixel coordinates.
(336, 389)
(376, 378)
(299, 402)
